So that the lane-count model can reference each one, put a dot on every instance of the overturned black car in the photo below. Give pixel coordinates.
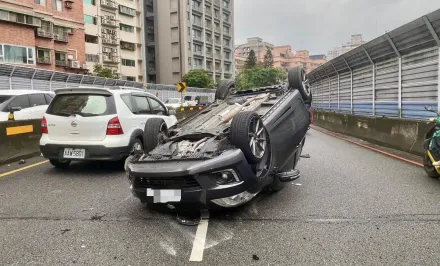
(225, 154)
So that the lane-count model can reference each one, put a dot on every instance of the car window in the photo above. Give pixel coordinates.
(156, 107)
(4, 98)
(82, 104)
(37, 99)
(143, 107)
(127, 100)
(20, 101)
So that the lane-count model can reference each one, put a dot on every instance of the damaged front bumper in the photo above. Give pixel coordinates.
(226, 180)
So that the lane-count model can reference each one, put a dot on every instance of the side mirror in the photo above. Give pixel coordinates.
(15, 109)
(172, 112)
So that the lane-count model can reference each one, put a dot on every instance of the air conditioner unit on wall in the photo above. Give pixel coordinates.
(69, 4)
(75, 64)
(84, 66)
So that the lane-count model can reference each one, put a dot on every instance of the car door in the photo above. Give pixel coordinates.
(38, 105)
(21, 101)
(158, 109)
(142, 110)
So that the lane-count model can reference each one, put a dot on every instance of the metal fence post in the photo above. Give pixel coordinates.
(329, 93)
(339, 87)
(67, 80)
(374, 89)
(32, 79)
(81, 80)
(10, 78)
(399, 91)
(50, 81)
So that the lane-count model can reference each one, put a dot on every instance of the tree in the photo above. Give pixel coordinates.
(260, 77)
(198, 78)
(105, 72)
(268, 58)
(251, 61)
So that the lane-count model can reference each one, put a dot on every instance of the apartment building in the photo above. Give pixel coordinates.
(46, 34)
(284, 57)
(255, 43)
(182, 35)
(114, 36)
(356, 40)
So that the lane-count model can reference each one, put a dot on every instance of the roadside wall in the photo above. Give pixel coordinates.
(404, 135)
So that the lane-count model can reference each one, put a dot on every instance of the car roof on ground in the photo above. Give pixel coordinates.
(112, 90)
(21, 92)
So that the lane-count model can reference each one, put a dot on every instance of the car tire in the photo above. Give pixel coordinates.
(155, 132)
(135, 148)
(297, 77)
(429, 168)
(245, 127)
(224, 89)
(63, 164)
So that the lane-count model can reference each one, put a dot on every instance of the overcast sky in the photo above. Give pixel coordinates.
(320, 25)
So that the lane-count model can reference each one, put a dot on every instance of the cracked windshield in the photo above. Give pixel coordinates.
(219, 132)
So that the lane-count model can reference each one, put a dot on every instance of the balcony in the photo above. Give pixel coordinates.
(151, 42)
(109, 22)
(110, 41)
(64, 37)
(45, 33)
(110, 59)
(198, 53)
(109, 4)
(61, 63)
(151, 71)
(150, 12)
(217, 2)
(44, 61)
(198, 24)
(197, 9)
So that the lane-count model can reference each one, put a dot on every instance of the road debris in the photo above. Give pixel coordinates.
(255, 257)
(21, 161)
(64, 231)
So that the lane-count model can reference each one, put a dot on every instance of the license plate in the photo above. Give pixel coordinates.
(74, 153)
(164, 195)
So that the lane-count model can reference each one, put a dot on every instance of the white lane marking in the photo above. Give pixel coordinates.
(200, 238)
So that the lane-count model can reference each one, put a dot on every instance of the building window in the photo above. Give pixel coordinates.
(225, 4)
(226, 30)
(92, 58)
(197, 63)
(227, 67)
(226, 17)
(91, 39)
(60, 56)
(43, 56)
(40, 2)
(58, 5)
(197, 34)
(127, 46)
(90, 2)
(128, 62)
(227, 55)
(226, 42)
(17, 54)
(197, 48)
(89, 19)
(125, 27)
(127, 10)
(130, 78)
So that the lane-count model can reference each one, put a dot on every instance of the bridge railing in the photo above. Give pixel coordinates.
(394, 75)
(15, 77)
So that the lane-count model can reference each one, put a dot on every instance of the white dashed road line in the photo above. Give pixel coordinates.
(200, 238)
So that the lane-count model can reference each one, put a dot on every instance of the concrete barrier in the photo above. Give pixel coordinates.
(19, 140)
(404, 135)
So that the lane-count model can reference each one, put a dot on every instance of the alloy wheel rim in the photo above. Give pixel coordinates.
(257, 138)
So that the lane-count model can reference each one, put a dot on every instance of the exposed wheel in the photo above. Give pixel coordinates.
(136, 147)
(429, 168)
(155, 132)
(60, 163)
(224, 89)
(298, 80)
(249, 134)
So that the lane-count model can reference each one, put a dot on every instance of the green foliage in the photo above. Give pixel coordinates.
(105, 72)
(198, 78)
(260, 77)
(251, 61)
(268, 58)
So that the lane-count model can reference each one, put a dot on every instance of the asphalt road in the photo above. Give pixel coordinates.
(351, 206)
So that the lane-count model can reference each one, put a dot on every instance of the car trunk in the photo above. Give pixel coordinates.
(80, 115)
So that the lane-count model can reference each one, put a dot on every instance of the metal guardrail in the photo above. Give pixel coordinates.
(394, 75)
(14, 77)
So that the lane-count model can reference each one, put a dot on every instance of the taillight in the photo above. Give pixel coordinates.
(44, 126)
(114, 127)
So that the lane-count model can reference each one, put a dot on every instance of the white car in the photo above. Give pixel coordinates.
(25, 104)
(98, 124)
(175, 103)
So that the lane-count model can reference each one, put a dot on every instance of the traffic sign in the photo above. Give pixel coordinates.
(181, 87)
